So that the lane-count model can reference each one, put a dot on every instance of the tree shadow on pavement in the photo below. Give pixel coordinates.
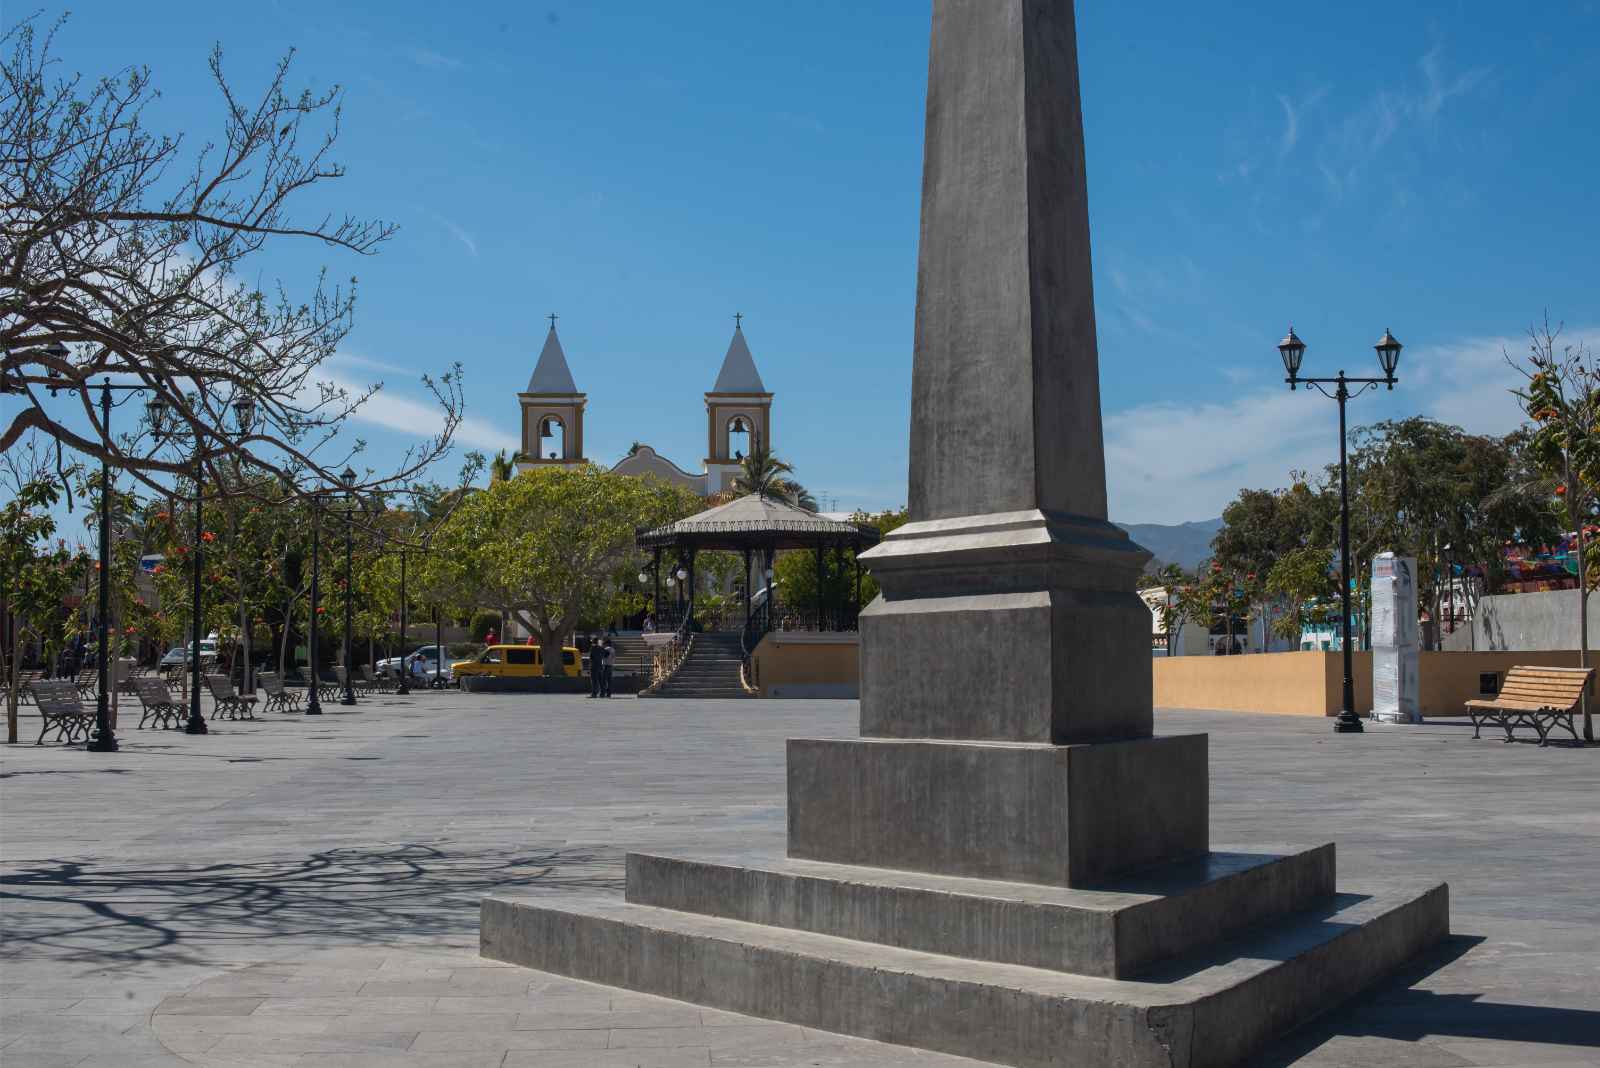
(84, 912)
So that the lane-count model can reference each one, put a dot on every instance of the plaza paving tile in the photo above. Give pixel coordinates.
(296, 892)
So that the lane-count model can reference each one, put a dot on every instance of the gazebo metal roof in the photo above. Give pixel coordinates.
(757, 522)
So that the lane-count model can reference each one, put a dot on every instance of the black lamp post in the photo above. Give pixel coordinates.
(1293, 350)
(105, 738)
(348, 477)
(313, 699)
(404, 689)
(244, 413)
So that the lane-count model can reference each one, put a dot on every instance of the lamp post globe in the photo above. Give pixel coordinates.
(1388, 349)
(1292, 350)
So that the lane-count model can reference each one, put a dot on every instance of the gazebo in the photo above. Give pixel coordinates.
(757, 527)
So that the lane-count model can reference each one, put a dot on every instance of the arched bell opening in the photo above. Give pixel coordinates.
(741, 437)
(552, 438)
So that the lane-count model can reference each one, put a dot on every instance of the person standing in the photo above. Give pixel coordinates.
(606, 669)
(597, 667)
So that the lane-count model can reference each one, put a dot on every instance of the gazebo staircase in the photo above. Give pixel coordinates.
(709, 672)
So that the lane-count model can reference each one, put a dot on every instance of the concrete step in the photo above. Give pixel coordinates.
(1111, 931)
(1225, 1005)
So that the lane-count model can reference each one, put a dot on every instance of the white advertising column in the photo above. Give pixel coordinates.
(1395, 641)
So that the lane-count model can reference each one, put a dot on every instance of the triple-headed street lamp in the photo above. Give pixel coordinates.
(1293, 350)
(159, 410)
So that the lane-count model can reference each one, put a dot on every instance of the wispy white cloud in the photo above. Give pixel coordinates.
(1349, 147)
(428, 59)
(466, 239)
(350, 359)
(420, 417)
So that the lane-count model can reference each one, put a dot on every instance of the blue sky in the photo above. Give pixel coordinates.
(647, 170)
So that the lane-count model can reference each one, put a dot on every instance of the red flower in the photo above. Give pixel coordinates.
(321, 609)
(208, 536)
(163, 516)
(1561, 491)
(158, 569)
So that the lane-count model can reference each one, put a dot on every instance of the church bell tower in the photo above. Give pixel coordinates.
(738, 413)
(552, 411)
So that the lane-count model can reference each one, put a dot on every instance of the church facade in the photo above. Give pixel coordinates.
(738, 419)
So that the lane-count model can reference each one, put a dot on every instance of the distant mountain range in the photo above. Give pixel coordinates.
(1187, 544)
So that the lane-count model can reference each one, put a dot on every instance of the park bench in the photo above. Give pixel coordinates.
(158, 704)
(357, 686)
(279, 697)
(228, 702)
(87, 681)
(1539, 697)
(25, 682)
(373, 683)
(61, 710)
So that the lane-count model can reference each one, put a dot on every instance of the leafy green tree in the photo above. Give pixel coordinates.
(35, 578)
(1563, 399)
(1434, 491)
(1305, 578)
(1187, 601)
(551, 546)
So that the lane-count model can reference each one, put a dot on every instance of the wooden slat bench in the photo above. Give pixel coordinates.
(278, 696)
(227, 701)
(158, 704)
(61, 710)
(1539, 697)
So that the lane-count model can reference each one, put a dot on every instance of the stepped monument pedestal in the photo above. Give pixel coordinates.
(1007, 864)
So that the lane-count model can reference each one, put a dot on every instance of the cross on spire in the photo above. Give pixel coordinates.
(738, 320)
(552, 317)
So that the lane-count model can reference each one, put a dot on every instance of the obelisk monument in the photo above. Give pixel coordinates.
(1007, 864)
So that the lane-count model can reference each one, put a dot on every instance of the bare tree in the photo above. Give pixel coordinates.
(120, 259)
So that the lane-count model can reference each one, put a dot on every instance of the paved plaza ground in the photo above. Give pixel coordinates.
(305, 892)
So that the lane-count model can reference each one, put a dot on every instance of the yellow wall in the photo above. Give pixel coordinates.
(807, 665)
(1307, 684)
(1311, 684)
(1448, 680)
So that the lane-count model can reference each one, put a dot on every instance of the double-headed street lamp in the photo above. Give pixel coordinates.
(105, 737)
(1293, 350)
(159, 410)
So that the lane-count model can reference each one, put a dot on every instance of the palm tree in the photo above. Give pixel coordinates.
(763, 474)
(503, 468)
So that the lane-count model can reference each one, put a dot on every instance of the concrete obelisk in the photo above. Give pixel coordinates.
(1007, 864)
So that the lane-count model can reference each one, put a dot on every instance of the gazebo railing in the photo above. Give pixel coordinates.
(671, 656)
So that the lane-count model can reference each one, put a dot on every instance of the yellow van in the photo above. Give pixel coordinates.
(516, 662)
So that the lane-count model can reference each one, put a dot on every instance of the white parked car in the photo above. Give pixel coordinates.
(181, 655)
(422, 664)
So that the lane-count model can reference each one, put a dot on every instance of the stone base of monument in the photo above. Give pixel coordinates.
(1193, 963)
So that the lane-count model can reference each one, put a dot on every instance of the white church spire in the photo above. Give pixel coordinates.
(551, 374)
(738, 374)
